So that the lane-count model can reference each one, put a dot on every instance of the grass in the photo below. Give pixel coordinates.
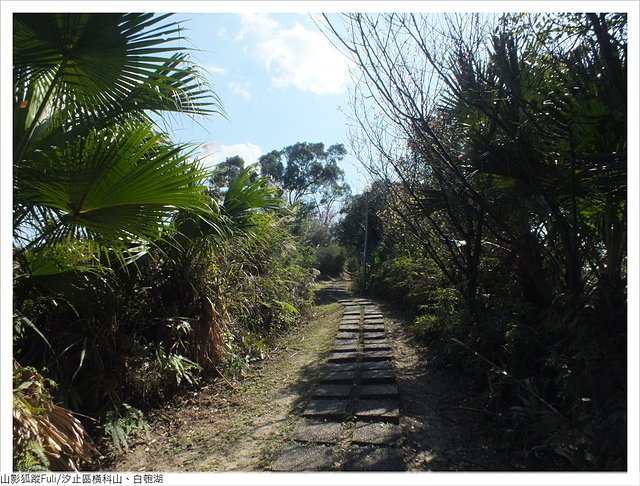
(241, 425)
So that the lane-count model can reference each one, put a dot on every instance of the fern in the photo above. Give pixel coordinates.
(121, 426)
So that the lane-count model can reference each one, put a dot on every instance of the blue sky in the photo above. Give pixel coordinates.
(281, 82)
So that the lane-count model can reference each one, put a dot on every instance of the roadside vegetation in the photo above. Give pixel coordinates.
(497, 212)
(136, 271)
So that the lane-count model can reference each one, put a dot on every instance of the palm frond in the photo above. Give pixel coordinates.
(247, 196)
(116, 184)
(77, 70)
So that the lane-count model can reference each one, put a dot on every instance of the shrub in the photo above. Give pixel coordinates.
(331, 259)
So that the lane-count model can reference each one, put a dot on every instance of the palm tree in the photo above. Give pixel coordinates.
(89, 163)
(94, 177)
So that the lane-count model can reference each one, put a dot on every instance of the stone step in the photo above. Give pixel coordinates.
(351, 311)
(378, 376)
(378, 390)
(348, 327)
(376, 355)
(345, 348)
(373, 459)
(327, 408)
(347, 335)
(381, 409)
(373, 335)
(376, 365)
(338, 377)
(304, 458)
(333, 367)
(320, 432)
(377, 433)
(334, 390)
(370, 328)
(347, 342)
(381, 344)
(348, 356)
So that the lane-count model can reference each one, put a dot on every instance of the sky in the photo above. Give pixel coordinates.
(281, 82)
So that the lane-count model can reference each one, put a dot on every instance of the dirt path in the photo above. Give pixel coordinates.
(243, 426)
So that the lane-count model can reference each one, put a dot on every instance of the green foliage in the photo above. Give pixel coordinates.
(308, 174)
(88, 160)
(153, 372)
(31, 457)
(505, 203)
(331, 260)
(242, 352)
(227, 171)
(131, 279)
(121, 425)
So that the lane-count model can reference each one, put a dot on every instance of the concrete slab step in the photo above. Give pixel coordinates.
(348, 348)
(381, 344)
(331, 408)
(377, 433)
(379, 390)
(376, 355)
(381, 409)
(349, 356)
(373, 459)
(338, 377)
(348, 327)
(304, 458)
(334, 390)
(371, 328)
(334, 367)
(347, 335)
(320, 432)
(351, 310)
(376, 365)
(377, 376)
(371, 335)
(347, 342)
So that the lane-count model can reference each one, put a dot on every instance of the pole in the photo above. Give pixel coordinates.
(366, 247)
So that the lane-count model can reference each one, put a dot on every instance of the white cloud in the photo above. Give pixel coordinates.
(259, 24)
(216, 69)
(298, 56)
(240, 89)
(215, 152)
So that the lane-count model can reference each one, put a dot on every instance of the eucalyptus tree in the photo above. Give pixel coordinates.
(309, 174)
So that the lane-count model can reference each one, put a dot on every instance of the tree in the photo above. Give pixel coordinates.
(502, 143)
(227, 171)
(95, 183)
(309, 174)
(89, 163)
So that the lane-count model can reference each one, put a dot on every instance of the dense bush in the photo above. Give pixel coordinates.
(501, 153)
(131, 277)
(330, 260)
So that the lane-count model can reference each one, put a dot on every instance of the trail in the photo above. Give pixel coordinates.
(351, 421)
(348, 390)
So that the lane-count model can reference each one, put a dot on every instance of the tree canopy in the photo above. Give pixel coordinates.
(307, 173)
